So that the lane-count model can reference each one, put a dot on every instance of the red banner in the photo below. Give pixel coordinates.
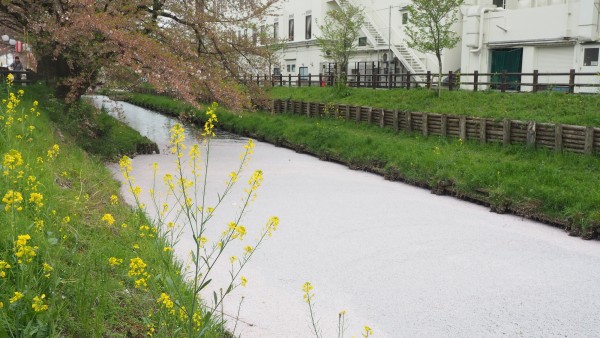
(19, 46)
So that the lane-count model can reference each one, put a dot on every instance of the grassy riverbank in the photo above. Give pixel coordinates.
(552, 107)
(552, 187)
(67, 241)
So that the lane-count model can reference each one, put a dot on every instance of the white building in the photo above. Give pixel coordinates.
(517, 36)
(521, 36)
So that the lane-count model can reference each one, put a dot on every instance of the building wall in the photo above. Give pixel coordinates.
(552, 34)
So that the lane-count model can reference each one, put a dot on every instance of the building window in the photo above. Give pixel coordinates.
(275, 31)
(291, 30)
(590, 57)
(308, 33)
(276, 71)
(499, 3)
(291, 68)
(303, 73)
(362, 41)
(405, 18)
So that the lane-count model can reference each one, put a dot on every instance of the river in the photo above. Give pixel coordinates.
(395, 257)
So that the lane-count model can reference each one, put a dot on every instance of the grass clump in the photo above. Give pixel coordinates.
(539, 184)
(577, 109)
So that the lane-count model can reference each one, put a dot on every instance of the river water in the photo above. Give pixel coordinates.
(395, 257)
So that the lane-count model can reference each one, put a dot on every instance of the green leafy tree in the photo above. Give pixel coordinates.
(430, 28)
(339, 37)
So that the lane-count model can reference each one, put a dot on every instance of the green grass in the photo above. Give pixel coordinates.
(86, 297)
(578, 109)
(537, 183)
(92, 129)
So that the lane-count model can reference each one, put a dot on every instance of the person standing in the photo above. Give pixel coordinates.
(17, 66)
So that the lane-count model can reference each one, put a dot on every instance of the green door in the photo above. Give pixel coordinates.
(507, 60)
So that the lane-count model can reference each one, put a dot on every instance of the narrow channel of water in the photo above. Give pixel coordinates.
(395, 257)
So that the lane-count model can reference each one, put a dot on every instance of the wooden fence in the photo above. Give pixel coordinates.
(578, 139)
(566, 82)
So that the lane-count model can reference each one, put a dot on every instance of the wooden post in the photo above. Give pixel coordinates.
(428, 79)
(382, 118)
(462, 124)
(572, 81)
(273, 107)
(373, 80)
(280, 80)
(503, 85)
(285, 109)
(357, 78)
(336, 113)
(309, 79)
(531, 134)
(535, 80)
(506, 132)
(450, 80)
(396, 121)
(558, 133)
(408, 80)
(289, 80)
(408, 121)
(308, 109)
(272, 80)
(370, 115)
(425, 118)
(482, 131)
(357, 111)
(589, 140)
(475, 80)
(348, 112)
(320, 80)
(257, 80)
(444, 125)
(298, 80)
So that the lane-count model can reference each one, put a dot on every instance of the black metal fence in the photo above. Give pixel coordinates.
(569, 82)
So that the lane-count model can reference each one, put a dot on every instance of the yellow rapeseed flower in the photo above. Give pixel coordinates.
(367, 332)
(136, 267)
(37, 199)
(38, 303)
(166, 301)
(244, 281)
(12, 199)
(39, 224)
(3, 266)
(12, 159)
(16, 297)
(114, 200)
(113, 261)
(109, 219)
(47, 269)
(307, 288)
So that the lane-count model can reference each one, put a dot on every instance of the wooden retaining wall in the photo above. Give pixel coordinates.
(578, 139)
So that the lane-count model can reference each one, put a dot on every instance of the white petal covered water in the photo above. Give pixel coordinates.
(395, 257)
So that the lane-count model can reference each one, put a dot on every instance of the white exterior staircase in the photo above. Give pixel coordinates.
(397, 45)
